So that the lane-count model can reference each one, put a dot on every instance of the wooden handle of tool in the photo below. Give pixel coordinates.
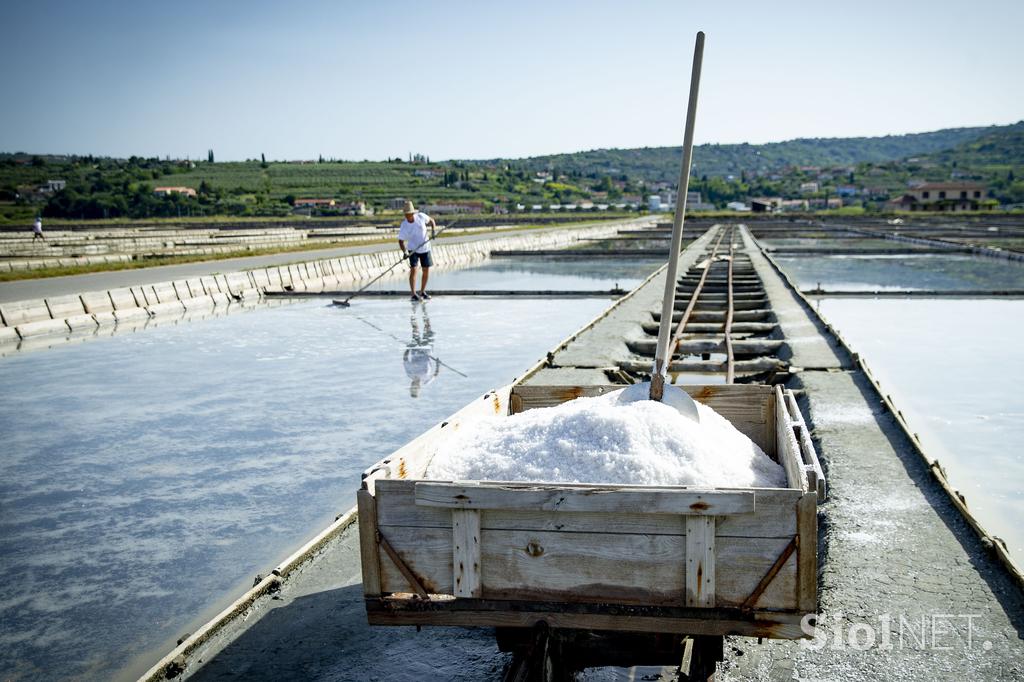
(669, 300)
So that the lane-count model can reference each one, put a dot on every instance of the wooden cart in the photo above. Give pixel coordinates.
(613, 558)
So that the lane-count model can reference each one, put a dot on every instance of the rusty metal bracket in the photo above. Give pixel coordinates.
(751, 601)
(401, 565)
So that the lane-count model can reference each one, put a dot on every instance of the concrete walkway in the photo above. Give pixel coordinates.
(21, 290)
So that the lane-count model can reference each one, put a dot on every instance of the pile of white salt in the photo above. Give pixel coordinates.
(607, 439)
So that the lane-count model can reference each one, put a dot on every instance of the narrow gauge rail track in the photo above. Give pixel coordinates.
(724, 325)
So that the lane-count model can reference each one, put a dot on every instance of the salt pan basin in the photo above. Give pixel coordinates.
(697, 559)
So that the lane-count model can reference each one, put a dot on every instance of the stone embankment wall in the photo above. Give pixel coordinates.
(19, 251)
(89, 310)
(68, 248)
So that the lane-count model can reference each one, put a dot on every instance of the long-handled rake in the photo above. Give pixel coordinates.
(345, 303)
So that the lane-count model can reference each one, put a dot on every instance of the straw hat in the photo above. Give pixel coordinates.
(409, 208)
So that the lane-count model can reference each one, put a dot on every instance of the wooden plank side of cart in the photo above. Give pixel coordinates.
(607, 557)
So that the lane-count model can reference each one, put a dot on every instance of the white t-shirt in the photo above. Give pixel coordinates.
(415, 234)
(38, 227)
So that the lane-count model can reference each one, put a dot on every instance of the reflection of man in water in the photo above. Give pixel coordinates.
(420, 364)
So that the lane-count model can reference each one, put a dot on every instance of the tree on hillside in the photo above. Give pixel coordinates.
(209, 156)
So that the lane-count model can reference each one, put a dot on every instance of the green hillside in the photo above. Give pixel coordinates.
(655, 164)
(999, 149)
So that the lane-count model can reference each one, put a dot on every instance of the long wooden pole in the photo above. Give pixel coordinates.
(669, 300)
(730, 361)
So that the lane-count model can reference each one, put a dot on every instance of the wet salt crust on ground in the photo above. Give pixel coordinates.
(605, 440)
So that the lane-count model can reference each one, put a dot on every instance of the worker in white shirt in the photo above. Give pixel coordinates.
(414, 241)
(37, 230)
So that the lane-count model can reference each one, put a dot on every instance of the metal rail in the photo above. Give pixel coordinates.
(681, 327)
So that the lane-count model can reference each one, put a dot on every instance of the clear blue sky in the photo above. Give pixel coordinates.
(483, 79)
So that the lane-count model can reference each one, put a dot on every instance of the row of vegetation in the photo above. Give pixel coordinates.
(876, 168)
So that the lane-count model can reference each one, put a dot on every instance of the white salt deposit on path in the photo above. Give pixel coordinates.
(606, 440)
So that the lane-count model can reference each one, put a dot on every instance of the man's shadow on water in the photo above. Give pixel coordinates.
(421, 366)
(419, 360)
(325, 636)
(421, 363)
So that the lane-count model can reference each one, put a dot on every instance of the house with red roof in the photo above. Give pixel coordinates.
(943, 196)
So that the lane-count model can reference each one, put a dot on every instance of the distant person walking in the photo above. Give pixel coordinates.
(37, 230)
(413, 240)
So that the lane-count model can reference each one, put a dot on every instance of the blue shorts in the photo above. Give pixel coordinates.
(423, 259)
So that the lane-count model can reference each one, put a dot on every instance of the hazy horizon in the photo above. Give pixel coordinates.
(485, 157)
